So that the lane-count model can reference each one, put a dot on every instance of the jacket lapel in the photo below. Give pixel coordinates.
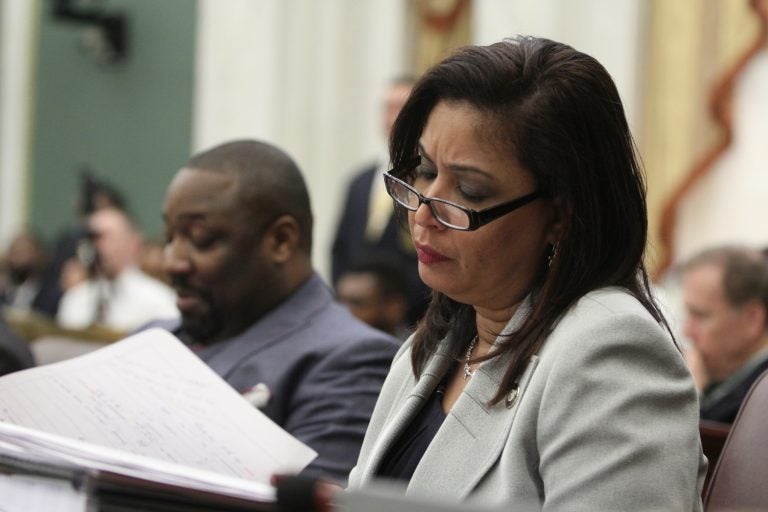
(277, 325)
(473, 434)
(400, 418)
(472, 437)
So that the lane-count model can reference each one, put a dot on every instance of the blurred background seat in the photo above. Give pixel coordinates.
(740, 478)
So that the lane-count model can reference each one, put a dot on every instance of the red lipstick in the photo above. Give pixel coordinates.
(428, 255)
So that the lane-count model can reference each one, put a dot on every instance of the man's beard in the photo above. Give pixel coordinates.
(200, 328)
(203, 329)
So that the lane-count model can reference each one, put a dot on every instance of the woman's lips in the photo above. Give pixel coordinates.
(428, 255)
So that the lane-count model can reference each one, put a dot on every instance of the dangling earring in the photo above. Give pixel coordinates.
(552, 253)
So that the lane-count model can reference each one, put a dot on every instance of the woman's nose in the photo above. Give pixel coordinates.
(425, 217)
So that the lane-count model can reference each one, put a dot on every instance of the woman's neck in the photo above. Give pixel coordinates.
(491, 322)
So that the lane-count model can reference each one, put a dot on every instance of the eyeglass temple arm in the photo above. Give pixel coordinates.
(479, 217)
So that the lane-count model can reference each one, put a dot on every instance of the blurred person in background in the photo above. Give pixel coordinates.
(25, 262)
(375, 292)
(725, 291)
(367, 227)
(64, 269)
(116, 293)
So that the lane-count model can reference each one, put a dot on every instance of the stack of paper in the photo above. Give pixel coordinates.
(148, 408)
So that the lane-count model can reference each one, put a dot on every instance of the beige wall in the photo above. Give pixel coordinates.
(612, 31)
(308, 76)
(730, 203)
(305, 75)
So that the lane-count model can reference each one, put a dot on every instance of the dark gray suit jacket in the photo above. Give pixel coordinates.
(725, 408)
(14, 352)
(323, 369)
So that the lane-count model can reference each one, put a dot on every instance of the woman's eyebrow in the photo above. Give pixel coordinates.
(456, 167)
(423, 153)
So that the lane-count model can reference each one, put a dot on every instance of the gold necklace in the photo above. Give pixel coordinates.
(467, 371)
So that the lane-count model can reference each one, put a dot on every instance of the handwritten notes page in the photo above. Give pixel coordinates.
(150, 396)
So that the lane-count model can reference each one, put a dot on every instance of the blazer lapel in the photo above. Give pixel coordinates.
(473, 434)
(410, 406)
(226, 356)
(472, 437)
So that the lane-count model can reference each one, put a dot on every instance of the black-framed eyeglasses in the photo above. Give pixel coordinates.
(448, 213)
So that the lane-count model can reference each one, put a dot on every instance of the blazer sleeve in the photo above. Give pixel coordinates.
(617, 426)
(331, 409)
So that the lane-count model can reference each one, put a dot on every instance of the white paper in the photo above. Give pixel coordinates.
(22, 493)
(46, 451)
(150, 396)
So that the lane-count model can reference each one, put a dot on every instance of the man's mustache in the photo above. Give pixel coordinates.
(182, 287)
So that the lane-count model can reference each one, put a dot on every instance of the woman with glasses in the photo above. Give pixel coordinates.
(543, 373)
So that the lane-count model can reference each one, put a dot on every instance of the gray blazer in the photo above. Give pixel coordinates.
(605, 418)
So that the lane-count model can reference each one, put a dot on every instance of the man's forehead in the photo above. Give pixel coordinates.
(192, 176)
(703, 284)
(109, 220)
(706, 272)
(193, 188)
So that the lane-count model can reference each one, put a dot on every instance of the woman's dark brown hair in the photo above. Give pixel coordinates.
(559, 113)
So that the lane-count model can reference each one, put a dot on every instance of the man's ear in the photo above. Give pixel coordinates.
(283, 238)
(754, 315)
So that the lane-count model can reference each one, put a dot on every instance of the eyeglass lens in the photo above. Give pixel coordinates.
(446, 213)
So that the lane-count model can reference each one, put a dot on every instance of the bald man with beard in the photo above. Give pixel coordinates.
(238, 228)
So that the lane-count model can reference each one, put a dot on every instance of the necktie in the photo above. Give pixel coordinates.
(379, 209)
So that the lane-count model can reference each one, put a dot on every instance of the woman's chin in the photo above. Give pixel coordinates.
(446, 286)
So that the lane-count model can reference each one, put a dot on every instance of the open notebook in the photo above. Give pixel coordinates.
(146, 407)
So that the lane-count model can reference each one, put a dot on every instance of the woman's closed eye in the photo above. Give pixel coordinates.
(470, 195)
(424, 173)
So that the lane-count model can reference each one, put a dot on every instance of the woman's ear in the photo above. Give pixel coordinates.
(283, 238)
(559, 214)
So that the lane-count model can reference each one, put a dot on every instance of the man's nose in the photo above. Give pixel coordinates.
(176, 258)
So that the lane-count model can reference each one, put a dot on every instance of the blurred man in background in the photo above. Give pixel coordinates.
(24, 265)
(116, 294)
(63, 267)
(374, 291)
(725, 291)
(368, 227)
